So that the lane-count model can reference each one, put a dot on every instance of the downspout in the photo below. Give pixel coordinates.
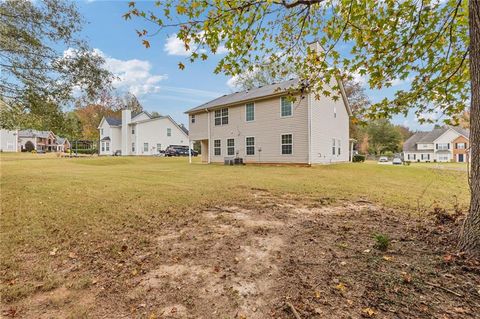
(209, 145)
(309, 105)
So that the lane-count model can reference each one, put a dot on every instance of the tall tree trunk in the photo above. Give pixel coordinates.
(470, 236)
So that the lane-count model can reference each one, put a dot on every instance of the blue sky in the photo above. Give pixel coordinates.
(152, 74)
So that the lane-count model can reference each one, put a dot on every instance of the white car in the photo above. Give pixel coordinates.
(383, 159)
(397, 161)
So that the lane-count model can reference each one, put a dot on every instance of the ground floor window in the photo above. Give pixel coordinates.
(425, 157)
(145, 147)
(333, 146)
(217, 147)
(250, 145)
(159, 147)
(103, 146)
(287, 144)
(443, 158)
(338, 147)
(230, 146)
(133, 147)
(107, 146)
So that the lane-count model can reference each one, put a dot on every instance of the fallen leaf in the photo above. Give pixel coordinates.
(407, 277)
(341, 287)
(368, 312)
(53, 252)
(72, 255)
(317, 294)
(448, 258)
(388, 258)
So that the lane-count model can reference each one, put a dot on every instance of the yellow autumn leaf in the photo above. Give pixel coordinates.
(341, 287)
(368, 312)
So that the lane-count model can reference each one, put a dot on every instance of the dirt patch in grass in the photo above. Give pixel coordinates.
(263, 258)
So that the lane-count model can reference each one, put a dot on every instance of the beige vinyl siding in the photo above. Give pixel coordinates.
(267, 129)
(326, 127)
(199, 129)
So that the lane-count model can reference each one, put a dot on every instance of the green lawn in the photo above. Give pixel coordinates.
(90, 205)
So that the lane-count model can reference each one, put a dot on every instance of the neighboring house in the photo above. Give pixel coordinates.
(445, 144)
(139, 134)
(263, 125)
(37, 140)
(63, 144)
(8, 141)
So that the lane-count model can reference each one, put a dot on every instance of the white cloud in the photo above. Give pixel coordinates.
(133, 75)
(397, 81)
(175, 46)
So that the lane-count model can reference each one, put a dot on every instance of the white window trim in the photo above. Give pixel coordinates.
(254, 145)
(286, 116)
(169, 131)
(281, 153)
(254, 112)
(221, 116)
(214, 147)
(148, 146)
(226, 146)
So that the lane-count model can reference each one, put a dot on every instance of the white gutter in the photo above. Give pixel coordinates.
(309, 105)
(209, 145)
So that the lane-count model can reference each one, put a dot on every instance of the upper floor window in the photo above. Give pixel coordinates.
(286, 107)
(217, 147)
(101, 131)
(169, 132)
(287, 144)
(192, 119)
(249, 112)
(460, 146)
(250, 145)
(443, 146)
(221, 116)
(133, 130)
(230, 146)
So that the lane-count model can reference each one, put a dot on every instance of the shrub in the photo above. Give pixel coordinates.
(84, 151)
(382, 242)
(358, 158)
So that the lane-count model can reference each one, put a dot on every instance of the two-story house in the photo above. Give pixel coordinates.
(265, 125)
(444, 144)
(139, 134)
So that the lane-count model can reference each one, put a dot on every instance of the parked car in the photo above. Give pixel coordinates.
(397, 161)
(179, 150)
(383, 159)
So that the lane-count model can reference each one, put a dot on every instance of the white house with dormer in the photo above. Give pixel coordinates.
(139, 134)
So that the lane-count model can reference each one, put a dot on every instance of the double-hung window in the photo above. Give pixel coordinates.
(159, 147)
(103, 146)
(217, 147)
(221, 117)
(107, 146)
(230, 146)
(192, 119)
(169, 132)
(461, 146)
(250, 145)
(443, 146)
(333, 146)
(249, 112)
(338, 147)
(287, 144)
(145, 147)
(286, 107)
(133, 130)
(133, 147)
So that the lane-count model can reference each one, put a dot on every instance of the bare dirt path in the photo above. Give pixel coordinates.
(259, 259)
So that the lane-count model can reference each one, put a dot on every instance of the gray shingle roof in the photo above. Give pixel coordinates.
(106, 138)
(238, 97)
(33, 133)
(113, 121)
(183, 128)
(410, 144)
